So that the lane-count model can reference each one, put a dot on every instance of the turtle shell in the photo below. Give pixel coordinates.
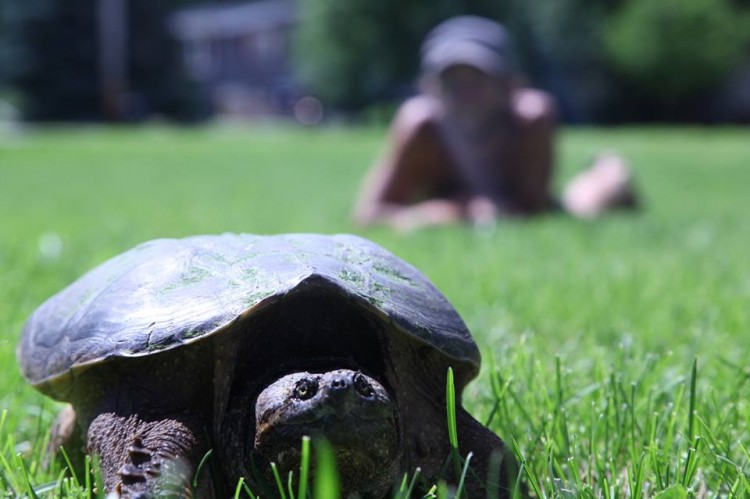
(170, 292)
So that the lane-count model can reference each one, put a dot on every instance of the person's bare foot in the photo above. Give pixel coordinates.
(606, 185)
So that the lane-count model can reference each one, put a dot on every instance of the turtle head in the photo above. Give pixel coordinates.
(351, 410)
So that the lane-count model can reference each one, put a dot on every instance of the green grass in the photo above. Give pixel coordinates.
(589, 330)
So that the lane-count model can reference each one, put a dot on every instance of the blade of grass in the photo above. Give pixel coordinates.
(198, 470)
(560, 414)
(87, 476)
(69, 464)
(442, 490)
(691, 414)
(689, 464)
(450, 398)
(27, 481)
(241, 485)
(304, 468)
(493, 475)
(406, 488)
(277, 478)
(7, 470)
(96, 470)
(460, 489)
(531, 475)
(326, 473)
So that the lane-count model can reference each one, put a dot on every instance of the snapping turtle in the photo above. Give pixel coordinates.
(243, 344)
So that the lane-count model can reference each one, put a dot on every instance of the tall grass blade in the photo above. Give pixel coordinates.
(493, 475)
(326, 472)
(304, 468)
(290, 484)
(242, 486)
(406, 488)
(277, 479)
(27, 481)
(450, 399)
(69, 464)
(442, 490)
(691, 463)
(560, 412)
(691, 414)
(87, 475)
(6, 471)
(460, 489)
(531, 475)
(689, 469)
(96, 470)
(413, 482)
(198, 470)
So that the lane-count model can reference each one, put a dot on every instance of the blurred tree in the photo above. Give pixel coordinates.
(604, 60)
(374, 53)
(351, 52)
(3, 44)
(675, 50)
(158, 82)
(558, 42)
(51, 54)
(54, 58)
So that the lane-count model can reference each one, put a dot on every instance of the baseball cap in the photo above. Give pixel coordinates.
(472, 40)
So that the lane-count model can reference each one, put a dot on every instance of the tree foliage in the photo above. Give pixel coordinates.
(353, 51)
(50, 55)
(600, 58)
(676, 48)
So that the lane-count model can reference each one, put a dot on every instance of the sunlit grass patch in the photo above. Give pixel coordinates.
(589, 332)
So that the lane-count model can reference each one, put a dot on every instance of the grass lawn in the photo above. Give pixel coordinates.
(589, 330)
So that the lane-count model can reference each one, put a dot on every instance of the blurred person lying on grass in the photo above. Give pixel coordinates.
(477, 146)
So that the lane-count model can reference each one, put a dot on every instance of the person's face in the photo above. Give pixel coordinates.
(466, 88)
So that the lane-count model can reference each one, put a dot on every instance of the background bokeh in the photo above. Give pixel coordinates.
(604, 60)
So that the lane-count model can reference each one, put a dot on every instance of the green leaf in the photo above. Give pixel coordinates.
(673, 492)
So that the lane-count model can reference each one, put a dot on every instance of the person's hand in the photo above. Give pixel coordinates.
(425, 214)
(481, 210)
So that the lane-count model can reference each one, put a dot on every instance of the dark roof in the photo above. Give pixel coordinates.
(235, 19)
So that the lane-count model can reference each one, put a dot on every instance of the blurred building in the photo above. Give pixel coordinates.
(241, 55)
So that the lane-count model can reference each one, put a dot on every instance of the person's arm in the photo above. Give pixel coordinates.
(535, 115)
(400, 189)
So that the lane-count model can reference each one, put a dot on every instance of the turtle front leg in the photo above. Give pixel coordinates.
(144, 457)
(493, 467)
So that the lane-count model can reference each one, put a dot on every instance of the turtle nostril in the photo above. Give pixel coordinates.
(339, 383)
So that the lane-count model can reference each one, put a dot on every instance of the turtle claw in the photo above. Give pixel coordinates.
(148, 457)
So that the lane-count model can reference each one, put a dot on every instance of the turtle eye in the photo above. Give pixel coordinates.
(306, 388)
(362, 385)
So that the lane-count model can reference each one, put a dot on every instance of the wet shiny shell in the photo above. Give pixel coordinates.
(169, 292)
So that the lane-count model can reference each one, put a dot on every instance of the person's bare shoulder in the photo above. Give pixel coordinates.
(417, 115)
(533, 106)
